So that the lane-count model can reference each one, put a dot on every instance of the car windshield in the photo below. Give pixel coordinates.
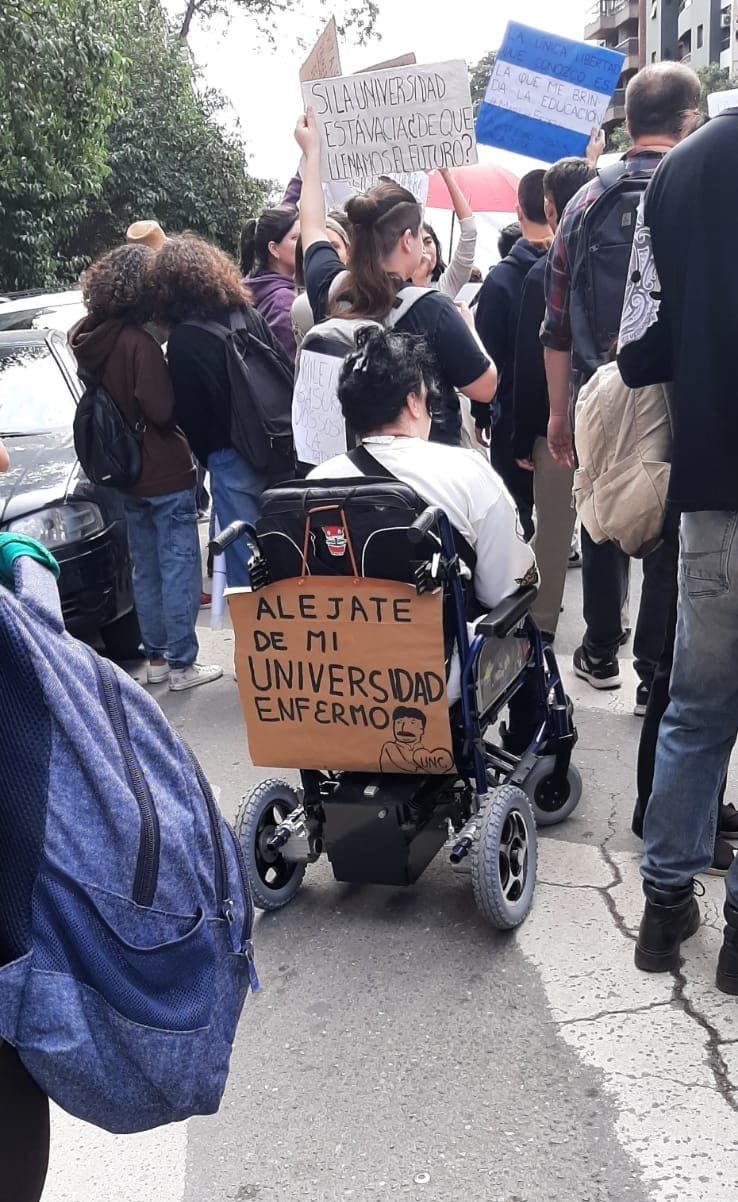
(34, 396)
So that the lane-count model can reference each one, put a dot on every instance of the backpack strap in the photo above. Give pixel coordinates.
(406, 298)
(338, 282)
(612, 175)
(369, 466)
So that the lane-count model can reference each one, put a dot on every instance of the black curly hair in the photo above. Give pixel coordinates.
(377, 378)
(118, 284)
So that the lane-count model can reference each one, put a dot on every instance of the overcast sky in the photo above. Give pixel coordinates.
(262, 83)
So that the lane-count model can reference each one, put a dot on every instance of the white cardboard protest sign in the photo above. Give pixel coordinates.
(317, 422)
(718, 102)
(324, 59)
(337, 192)
(404, 120)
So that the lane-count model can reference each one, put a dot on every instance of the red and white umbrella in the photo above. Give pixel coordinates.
(487, 187)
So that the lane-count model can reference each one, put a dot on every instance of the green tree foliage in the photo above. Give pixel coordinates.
(357, 18)
(102, 123)
(479, 78)
(171, 153)
(618, 140)
(60, 84)
(714, 79)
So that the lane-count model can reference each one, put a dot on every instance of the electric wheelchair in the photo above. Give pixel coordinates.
(385, 827)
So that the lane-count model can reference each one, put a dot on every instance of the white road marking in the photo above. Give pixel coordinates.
(658, 1062)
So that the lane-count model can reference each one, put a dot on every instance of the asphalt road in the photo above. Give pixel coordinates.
(401, 1049)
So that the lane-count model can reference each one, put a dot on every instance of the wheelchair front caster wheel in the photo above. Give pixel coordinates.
(504, 858)
(274, 880)
(552, 803)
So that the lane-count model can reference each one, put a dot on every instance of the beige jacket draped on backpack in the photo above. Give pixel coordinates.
(623, 442)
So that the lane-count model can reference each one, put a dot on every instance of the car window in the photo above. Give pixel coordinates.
(34, 396)
(55, 317)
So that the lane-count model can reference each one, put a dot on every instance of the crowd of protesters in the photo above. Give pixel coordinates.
(478, 412)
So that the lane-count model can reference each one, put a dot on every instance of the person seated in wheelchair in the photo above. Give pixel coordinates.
(386, 390)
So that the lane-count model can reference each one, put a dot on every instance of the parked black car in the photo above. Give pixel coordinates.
(46, 495)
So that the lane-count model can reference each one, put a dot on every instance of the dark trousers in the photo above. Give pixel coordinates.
(24, 1131)
(518, 482)
(605, 578)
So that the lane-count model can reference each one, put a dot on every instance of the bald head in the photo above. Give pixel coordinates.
(661, 102)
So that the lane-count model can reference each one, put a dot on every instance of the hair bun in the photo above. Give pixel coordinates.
(362, 209)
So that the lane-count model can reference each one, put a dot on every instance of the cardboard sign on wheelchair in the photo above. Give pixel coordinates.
(343, 674)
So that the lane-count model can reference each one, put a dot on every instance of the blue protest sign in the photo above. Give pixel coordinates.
(546, 94)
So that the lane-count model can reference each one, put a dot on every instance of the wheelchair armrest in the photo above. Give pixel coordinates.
(501, 620)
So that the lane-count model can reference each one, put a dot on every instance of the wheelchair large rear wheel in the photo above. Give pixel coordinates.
(552, 803)
(274, 880)
(504, 858)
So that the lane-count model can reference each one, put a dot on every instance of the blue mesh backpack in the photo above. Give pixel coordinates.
(125, 916)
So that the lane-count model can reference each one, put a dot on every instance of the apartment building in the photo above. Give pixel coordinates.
(698, 32)
(618, 24)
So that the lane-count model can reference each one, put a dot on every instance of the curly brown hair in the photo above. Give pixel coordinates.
(192, 278)
(117, 284)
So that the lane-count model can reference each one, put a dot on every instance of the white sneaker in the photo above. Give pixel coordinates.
(190, 678)
(157, 673)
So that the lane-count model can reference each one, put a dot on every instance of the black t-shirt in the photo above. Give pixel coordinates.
(458, 357)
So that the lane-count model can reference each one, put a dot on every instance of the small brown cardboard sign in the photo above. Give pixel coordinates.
(402, 60)
(343, 674)
(324, 60)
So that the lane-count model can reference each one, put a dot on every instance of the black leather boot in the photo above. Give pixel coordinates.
(670, 916)
(727, 969)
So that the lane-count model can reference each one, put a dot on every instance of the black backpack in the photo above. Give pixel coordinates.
(600, 269)
(107, 446)
(261, 380)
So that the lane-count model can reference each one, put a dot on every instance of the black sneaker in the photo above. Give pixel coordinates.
(642, 694)
(722, 858)
(728, 822)
(600, 673)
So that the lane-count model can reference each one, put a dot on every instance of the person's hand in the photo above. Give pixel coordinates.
(307, 134)
(526, 464)
(4, 458)
(560, 442)
(595, 146)
(466, 313)
(483, 436)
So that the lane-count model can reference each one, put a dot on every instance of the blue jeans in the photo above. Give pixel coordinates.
(699, 727)
(167, 573)
(236, 490)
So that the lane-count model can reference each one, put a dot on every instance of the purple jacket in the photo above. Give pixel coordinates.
(273, 297)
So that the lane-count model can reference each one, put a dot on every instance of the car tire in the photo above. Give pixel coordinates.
(122, 638)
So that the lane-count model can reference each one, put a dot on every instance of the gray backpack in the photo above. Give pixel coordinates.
(317, 422)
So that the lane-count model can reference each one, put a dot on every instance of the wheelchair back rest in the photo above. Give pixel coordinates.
(343, 673)
(372, 517)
